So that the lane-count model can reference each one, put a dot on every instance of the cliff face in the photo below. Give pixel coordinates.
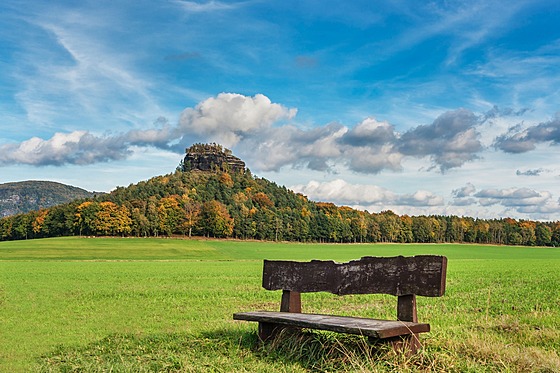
(208, 157)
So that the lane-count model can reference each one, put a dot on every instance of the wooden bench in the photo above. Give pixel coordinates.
(404, 277)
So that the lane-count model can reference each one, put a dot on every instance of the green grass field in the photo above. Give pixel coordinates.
(107, 304)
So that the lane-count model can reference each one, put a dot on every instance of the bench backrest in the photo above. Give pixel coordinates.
(419, 275)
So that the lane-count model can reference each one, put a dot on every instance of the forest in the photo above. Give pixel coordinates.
(235, 204)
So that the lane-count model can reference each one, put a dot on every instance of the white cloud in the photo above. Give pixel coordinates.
(373, 159)
(465, 191)
(228, 118)
(487, 203)
(519, 140)
(257, 127)
(341, 192)
(450, 141)
(420, 198)
(78, 147)
(539, 204)
(512, 197)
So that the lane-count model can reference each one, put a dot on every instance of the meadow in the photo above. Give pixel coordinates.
(132, 305)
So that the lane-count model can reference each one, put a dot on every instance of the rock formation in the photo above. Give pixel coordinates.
(209, 157)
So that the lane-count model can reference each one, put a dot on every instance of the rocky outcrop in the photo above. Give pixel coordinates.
(211, 157)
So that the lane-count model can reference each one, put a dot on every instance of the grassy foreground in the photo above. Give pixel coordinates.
(78, 304)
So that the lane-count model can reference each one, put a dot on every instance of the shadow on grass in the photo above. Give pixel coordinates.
(162, 352)
(222, 351)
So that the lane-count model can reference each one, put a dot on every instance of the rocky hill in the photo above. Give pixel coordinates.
(212, 194)
(25, 196)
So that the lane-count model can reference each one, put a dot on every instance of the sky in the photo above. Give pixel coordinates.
(419, 107)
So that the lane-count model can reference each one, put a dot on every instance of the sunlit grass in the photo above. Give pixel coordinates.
(166, 305)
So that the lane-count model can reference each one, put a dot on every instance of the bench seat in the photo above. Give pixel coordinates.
(379, 329)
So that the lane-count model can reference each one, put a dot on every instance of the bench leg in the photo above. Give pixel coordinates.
(267, 331)
(407, 345)
(406, 311)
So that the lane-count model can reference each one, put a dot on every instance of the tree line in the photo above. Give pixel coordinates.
(227, 204)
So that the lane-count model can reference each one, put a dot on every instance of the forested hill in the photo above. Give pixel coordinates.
(27, 196)
(212, 194)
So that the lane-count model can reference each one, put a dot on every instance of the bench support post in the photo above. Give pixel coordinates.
(291, 301)
(406, 311)
(406, 308)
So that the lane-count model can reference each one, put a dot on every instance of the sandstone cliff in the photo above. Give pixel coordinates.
(209, 157)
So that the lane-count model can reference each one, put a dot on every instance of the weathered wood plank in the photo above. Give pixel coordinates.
(380, 329)
(421, 275)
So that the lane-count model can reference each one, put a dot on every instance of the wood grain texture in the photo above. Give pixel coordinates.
(421, 275)
(291, 301)
(380, 329)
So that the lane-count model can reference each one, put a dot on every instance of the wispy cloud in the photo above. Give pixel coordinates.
(536, 172)
(74, 72)
(208, 6)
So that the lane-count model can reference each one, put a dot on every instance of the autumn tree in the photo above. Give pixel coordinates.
(38, 222)
(86, 216)
(191, 209)
(112, 219)
(170, 215)
(216, 220)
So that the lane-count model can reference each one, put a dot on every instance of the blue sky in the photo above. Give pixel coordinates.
(441, 107)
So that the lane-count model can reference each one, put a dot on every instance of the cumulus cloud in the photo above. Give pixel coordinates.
(370, 146)
(465, 191)
(273, 148)
(464, 196)
(342, 192)
(450, 141)
(79, 147)
(375, 199)
(262, 133)
(370, 132)
(519, 140)
(229, 118)
(226, 118)
(373, 159)
(512, 197)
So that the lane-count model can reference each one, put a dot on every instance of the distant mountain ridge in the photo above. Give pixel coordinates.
(25, 196)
